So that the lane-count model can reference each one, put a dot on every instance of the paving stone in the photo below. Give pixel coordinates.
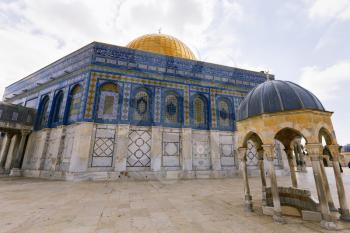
(207, 205)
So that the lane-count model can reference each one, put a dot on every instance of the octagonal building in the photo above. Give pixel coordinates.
(150, 109)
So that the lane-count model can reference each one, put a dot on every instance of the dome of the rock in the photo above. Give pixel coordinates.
(162, 44)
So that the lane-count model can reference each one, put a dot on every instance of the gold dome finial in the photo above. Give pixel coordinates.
(162, 44)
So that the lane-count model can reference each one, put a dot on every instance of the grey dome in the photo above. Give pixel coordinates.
(277, 96)
(346, 148)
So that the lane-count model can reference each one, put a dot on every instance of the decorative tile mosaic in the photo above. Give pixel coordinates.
(227, 152)
(139, 148)
(157, 105)
(171, 149)
(126, 99)
(102, 155)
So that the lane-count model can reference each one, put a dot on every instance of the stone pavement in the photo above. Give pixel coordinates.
(36, 205)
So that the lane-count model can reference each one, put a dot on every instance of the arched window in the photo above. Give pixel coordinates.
(171, 108)
(142, 106)
(74, 103)
(57, 107)
(43, 113)
(108, 102)
(224, 113)
(199, 111)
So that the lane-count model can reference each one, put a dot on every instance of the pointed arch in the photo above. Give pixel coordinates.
(141, 105)
(43, 113)
(287, 135)
(225, 113)
(326, 134)
(199, 113)
(57, 108)
(172, 108)
(74, 103)
(108, 102)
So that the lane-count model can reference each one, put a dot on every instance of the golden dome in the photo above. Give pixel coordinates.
(162, 44)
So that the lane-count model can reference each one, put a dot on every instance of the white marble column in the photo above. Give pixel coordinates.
(293, 176)
(344, 209)
(156, 149)
(20, 152)
(262, 175)
(277, 211)
(186, 149)
(12, 152)
(247, 196)
(215, 150)
(326, 186)
(315, 151)
(121, 152)
(5, 149)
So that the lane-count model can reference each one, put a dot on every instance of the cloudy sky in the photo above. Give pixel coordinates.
(304, 41)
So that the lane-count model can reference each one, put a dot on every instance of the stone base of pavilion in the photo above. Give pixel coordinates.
(297, 202)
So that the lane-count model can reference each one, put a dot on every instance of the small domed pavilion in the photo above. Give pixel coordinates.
(283, 111)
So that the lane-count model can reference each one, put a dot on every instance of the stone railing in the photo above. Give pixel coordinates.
(298, 198)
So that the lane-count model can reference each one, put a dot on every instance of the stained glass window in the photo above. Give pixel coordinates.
(75, 103)
(43, 117)
(57, 107)
(171, 109)
(224, 113)
(199, 111)
(108, 104)
(141, 105)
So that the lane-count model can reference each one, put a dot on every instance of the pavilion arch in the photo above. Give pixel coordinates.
(287, 135)
(327, 135)
(253, 137)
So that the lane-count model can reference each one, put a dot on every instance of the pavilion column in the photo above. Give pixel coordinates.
(277, 211)
(248, 198)
(293, 175)
(262, 175)
(301, 157)
(314, 151)
(5, 150)
(344, 210)
(297, 157)
(326, 186)
(20, 152)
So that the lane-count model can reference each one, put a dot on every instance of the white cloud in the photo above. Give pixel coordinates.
(330, 9)
(325, 83)
(35, 33)
(330, 85)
